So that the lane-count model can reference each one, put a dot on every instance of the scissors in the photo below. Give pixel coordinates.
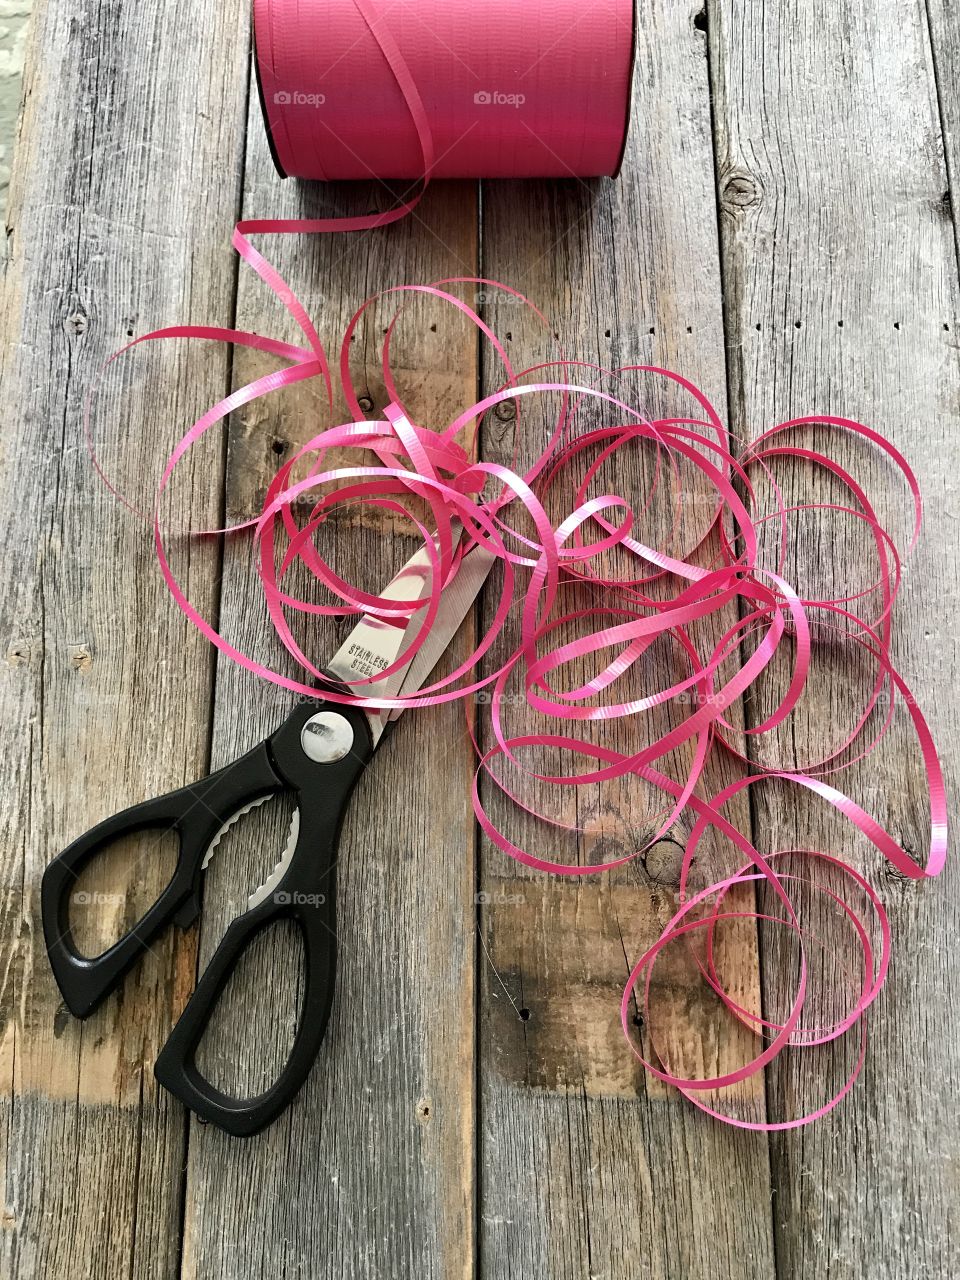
(317, 754)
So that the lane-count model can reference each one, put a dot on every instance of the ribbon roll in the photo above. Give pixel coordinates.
(445, 88)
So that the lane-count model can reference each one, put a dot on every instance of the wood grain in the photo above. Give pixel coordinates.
(371, 1171)
(827, 135)
(841, 288)
(944, 19)
(586, 1168)
(105, 692)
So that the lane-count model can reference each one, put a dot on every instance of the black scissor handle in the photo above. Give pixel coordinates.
(197, 813)
(306, 893)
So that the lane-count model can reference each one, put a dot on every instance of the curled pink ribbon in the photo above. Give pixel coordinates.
(393, 458)
(667, 596)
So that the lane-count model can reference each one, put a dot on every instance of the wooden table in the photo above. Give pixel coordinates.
(783, 233)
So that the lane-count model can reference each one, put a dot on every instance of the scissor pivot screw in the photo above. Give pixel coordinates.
(327, 737)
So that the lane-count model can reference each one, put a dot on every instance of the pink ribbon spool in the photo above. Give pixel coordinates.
(445, 88)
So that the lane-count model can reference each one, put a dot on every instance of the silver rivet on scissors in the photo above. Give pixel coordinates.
(326, 737)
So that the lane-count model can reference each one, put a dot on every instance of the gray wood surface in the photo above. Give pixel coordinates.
(783, 233)
(639, 1183)
(838, 244)
(111, 229)
(944, 19)
(379, 1148)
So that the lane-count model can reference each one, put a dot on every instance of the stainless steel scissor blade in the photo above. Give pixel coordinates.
(375, 643)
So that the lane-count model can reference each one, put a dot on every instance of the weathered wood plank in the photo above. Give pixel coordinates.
(944, 19)
(123, 177)
(587, 1168)
(841, 287)
(371, 1171)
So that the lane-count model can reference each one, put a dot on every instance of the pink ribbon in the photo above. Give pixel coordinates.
(667, 595)
(445, 88)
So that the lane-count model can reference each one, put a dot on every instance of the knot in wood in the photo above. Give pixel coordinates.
(739, 190)
(663, 862)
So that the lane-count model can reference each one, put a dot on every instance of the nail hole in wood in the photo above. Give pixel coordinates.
(758, 328)
(365, 403)
(797, 324)
(839, 324)
(524, 1015)
(700, 20)
(606, 333)
(896, 325)
(279, 446)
